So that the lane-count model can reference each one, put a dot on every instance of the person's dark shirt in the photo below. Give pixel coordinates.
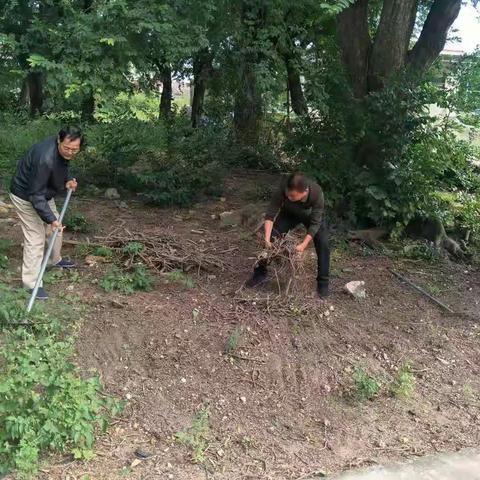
(309, 212)
(41, 174)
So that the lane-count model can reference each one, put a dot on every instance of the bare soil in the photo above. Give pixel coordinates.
(283, 407)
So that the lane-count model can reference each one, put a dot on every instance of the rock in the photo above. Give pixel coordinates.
(139, 453)
(135, 463)
(356, 289)
(243, 399)
(122, 205)
(112, 194)
(4, 210)
(224, 215)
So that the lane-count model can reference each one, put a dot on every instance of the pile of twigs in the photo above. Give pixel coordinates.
(164, 251)
(284, 262)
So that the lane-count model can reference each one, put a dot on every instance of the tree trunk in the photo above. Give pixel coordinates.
(88, 108)
(389, 52)
(202, 68)
(32, 92)
(299, 104)
(167, 93)
(248, 110)
(354, 41)
(434, 33)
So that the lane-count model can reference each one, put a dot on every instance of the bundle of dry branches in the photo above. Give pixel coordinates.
(164, 251)
(286, 263)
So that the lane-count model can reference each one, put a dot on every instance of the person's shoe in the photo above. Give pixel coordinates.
(63, 263)
(41, 294)
(322, 290)
(257, 279)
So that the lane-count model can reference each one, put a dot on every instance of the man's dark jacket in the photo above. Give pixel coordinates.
(41, 174)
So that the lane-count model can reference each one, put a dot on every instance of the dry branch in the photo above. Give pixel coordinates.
(164, 251)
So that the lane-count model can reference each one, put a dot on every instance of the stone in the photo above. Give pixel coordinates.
(356, 289)
(112, 194)
(4, 210)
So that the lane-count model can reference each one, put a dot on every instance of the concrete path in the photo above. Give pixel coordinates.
(464, 465)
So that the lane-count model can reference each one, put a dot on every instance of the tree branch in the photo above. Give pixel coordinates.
(434, 33)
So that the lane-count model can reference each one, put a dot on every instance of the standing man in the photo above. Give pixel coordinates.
(41, 174)
(298, 200)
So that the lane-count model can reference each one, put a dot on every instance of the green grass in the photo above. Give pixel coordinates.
(180, 278)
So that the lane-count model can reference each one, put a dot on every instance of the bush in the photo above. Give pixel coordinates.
(77, 222)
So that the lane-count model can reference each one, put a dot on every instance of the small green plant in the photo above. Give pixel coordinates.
(233, 341)
(5, 246)
(434, 290)
(421, 251)
(77, 222)
(127, 282)
(196, 437)
(85, 249)
(181, 278)
(366, 387)
(133, 248)
(404, 383)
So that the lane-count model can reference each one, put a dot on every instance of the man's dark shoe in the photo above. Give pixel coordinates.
(322, 290)
(41, 294)
(63, 263)
(257, 279)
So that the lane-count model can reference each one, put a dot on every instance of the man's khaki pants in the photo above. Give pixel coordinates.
(35, 232)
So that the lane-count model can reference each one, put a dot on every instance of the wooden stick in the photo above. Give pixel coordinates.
(421, 290)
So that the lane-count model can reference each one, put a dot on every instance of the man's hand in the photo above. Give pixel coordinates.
(300, 248)
(268, 243)
(72, 184)
(56, 224)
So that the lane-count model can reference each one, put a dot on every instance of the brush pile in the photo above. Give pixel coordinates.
(163, 251)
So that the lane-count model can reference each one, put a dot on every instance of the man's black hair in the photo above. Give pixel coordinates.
(72, 133)
(297, 182)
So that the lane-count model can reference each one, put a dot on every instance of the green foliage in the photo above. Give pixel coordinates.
(77, 222)
(133, 248)
(233, 341)
(5, 246)
(181, 278)
(404, 383)
(127, 282)
(366, 386)
(85, 249)
(45, 404)
(425, 251)
(196, 437)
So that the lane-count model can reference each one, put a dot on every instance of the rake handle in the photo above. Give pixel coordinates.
(51, 243)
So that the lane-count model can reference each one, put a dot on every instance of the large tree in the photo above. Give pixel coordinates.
(372, 60)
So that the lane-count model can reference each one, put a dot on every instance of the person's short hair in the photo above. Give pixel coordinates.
(297, 182)
(72, 133)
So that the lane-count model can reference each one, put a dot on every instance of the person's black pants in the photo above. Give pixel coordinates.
(283, 224)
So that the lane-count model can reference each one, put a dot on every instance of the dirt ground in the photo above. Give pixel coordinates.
(282, 407)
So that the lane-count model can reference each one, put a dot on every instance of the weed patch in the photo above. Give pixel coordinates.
(233, 341)
(404, 383)
(181, 278)
(366, 386)
(196, 437)
(127, 282)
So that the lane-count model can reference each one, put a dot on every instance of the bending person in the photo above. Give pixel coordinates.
(298, 200)
(41, 174)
